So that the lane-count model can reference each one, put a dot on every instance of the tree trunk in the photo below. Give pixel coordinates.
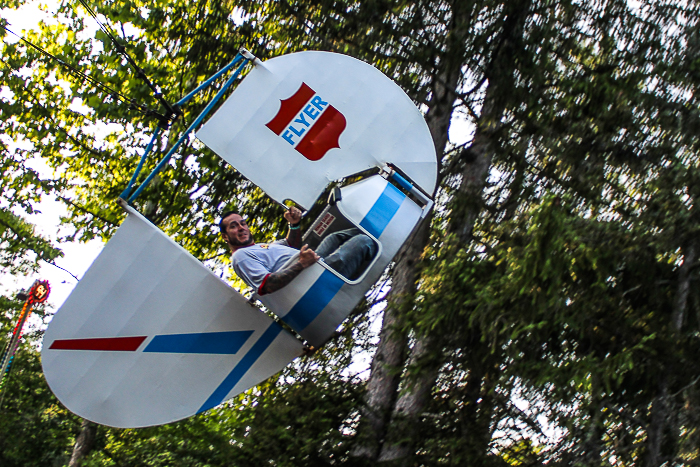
(681, 302)
(381, 387)
(478, 156)
(84, 443)
(477, 163)
(391, 352)
(384, 379)
(404, 424)
(662, 414)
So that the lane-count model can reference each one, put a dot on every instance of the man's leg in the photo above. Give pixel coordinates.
(351, 254)
(333, 241)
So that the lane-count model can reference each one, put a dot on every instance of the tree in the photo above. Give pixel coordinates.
(34, 428)
(187, 196)
(555, 274)
(601, 157)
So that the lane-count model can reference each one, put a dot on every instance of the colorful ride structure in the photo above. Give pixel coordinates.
(38, 293)
(150, 335)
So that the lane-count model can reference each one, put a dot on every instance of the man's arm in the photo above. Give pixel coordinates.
(283, 277)
(293, 216)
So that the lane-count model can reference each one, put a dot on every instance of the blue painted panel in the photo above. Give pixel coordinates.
(312, 303)
(405, 184)
(383, 210)
(242, 367)
(208, 342)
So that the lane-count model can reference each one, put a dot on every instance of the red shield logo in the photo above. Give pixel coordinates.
(308, 123)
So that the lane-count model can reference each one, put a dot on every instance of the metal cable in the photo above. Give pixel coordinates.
(139, 71)
(77, 72)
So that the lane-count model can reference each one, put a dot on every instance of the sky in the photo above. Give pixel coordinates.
(77, 256)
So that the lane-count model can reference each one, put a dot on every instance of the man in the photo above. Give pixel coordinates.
(262, 266)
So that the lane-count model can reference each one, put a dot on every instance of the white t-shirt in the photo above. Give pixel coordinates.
(255, 262)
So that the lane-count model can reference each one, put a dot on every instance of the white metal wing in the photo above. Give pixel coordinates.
(299, 121)
(150, 336)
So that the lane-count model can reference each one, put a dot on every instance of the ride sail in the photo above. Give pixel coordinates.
(150, 335)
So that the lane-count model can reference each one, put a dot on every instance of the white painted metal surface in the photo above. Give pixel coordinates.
(296, 106)
(169, 339)
(150, 336)
(318, 301)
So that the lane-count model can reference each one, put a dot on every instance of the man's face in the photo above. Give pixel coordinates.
(237, 233)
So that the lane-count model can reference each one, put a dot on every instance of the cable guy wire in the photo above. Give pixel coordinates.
(77, 72)
(172, 111)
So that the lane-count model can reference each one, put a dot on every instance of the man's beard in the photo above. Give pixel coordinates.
(236, 243)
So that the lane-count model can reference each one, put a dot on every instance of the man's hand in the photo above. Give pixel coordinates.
(307, 256)
(293, 215)
(281, 278)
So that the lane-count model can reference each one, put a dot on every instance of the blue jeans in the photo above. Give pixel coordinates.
(346, 250)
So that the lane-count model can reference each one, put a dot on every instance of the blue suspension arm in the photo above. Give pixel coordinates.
(243, 55)
(126, 192)
(189, 96)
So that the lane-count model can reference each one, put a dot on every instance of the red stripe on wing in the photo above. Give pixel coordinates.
(114, 344)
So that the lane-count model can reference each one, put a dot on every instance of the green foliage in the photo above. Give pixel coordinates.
(35, 430)
(20, 247)
(561, 297)
(570, 313)
(565, 296)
